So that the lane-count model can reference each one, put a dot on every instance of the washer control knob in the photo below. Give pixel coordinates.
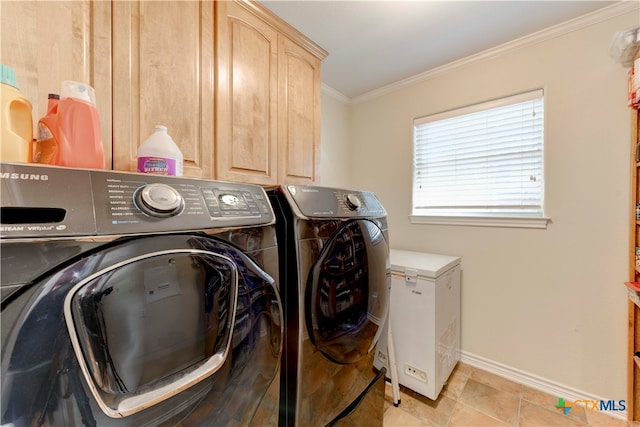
(352, 201)
(159, 200)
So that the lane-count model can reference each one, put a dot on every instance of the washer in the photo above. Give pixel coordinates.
(335, 283)
(136, 300)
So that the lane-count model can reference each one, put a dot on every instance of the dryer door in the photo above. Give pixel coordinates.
(347, 292)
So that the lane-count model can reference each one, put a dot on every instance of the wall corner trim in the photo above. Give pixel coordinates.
(534, 381)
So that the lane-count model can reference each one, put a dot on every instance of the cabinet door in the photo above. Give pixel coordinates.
(246, 93)
(48, 42)
(298, 114)
(163, 75)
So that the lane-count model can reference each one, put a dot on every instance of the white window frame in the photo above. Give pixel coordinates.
(464, 216)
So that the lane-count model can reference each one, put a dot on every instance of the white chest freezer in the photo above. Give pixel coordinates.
(424, 315)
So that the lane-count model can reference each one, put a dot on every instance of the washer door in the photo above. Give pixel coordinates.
(346, 297)
(148, 328)
(165, 329)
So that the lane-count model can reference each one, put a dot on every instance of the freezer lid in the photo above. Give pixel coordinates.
(425, 264)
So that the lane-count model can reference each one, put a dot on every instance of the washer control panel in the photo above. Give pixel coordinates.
(41, 201)
(325, 202)
(141, 200)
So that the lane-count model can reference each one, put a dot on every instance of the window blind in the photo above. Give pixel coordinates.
(482, 160)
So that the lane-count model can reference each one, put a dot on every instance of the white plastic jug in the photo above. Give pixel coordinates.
(159, 154)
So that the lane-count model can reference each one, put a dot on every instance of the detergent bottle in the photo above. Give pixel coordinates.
(159, 154)
(46, 144)
(69, 134)
(16, 122)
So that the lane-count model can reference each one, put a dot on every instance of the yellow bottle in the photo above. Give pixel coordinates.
(16, 123)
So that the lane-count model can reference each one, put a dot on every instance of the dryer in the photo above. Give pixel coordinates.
(335, 283)
(136, 300)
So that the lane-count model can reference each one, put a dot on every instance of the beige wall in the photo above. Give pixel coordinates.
(335, 150)
(548, 302)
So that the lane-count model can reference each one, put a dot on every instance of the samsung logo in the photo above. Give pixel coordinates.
(24, 176)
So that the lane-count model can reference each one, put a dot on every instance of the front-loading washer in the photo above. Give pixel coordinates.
(136, 300)
(335, 282)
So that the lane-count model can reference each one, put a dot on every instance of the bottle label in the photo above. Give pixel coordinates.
(44, 132)
(157, 165)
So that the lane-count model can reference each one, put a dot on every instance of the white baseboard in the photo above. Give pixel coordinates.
(533, 381)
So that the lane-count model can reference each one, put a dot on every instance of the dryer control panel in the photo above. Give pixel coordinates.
(326, 202)
(41, 201)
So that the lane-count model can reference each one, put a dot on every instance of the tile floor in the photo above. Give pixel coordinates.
(475, 398)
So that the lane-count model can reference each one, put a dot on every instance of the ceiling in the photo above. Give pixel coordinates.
(373, 44)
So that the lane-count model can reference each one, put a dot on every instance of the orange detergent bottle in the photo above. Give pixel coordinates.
(69, 134)
(16, 126)
(46, 143)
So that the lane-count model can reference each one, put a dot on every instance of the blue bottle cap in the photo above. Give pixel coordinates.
(8, 76)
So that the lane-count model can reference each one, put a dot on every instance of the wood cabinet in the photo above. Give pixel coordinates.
(633, 382)
(237, 87)
(163, 71)
(246, 93)
(48, 42)
(298, 114)
(633, 368)
(268, 98)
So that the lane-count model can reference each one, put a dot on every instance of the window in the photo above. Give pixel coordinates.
(482, 164)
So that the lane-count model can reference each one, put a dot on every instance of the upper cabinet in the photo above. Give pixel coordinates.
(237, 87)
(268, 98)
(48, 42)
(298, 114)
(247, 96)
(163, 71)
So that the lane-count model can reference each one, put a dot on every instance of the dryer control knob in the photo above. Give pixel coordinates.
(159, 200)
(352, 201)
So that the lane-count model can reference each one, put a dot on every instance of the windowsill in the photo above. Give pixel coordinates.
(484, 221)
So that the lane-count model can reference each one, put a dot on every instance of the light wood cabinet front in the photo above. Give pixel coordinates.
(298, 114)
(163, 72)
(48, 42)
(268, 98)
(246, 92)
(237, 87)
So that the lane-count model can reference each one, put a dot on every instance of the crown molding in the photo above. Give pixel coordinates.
(589, 19)
(281, 25)
(328, 90)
